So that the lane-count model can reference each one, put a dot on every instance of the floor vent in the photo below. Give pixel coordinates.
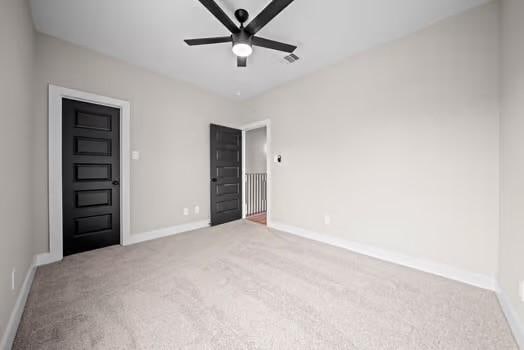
(291, 58)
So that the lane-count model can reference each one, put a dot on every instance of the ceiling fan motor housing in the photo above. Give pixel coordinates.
(242, 37)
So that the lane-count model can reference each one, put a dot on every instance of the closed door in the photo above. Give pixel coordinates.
(90, 175)
(226, 174)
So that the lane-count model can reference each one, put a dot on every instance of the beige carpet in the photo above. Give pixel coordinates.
(242, 286)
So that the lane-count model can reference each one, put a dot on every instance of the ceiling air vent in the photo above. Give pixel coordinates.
(291, 58)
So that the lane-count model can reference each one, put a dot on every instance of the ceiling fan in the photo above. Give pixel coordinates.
(243, 38)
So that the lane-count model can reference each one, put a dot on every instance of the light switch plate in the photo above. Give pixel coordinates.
(521, 291)
(197, 209)
(186, 211)
(135, 155)
(327, 219)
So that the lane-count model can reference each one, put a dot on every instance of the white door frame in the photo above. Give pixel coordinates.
(56, 94)
(256, 125)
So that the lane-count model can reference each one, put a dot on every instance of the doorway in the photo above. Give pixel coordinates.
(256, 172)
(237, 191)
(57, 96)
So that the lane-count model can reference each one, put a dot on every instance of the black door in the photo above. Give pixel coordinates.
(226, 174)
(91, 175)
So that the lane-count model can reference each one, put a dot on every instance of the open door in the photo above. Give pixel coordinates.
(226, 174)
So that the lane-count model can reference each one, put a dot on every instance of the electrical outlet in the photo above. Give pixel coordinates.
(186, 211)
(197, 209)
(521, 291)
(327, 219)
(13, 272)
(135, 155)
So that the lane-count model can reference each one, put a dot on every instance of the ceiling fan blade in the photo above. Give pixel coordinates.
(220, 15)
(271, 44)
(207, 41)
(241, 61)
(267, 14)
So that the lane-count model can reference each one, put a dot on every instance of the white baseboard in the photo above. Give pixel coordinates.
(475, 279)
(16, 315)
(168, 231)
(48, 258)
(515, 323)
(45, 258)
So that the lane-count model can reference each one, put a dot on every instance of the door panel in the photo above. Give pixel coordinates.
(93, 172)
(224, 189)
(93, 120)
(92, 224)
(92, 146)
(93, 198)
(91, 175)
(226, 174)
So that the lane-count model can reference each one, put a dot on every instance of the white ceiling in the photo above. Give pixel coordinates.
(150, 33)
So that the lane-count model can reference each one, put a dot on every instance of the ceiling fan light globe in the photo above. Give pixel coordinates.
(242, 50)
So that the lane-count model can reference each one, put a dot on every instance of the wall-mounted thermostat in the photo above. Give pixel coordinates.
(278, 158)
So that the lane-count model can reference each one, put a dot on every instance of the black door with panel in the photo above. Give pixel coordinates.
(90, 175)
(226, 174)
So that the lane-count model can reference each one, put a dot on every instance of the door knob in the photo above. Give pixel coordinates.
(214, 179)
(116, 183)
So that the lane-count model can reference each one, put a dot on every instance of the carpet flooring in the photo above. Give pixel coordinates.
(244, 286)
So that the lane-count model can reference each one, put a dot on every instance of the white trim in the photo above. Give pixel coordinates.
(44, 259)
(56, 94)
(256, 125)
(16, 315)
(475, 279)
(48, 258)
(168, 231)
(517, 327)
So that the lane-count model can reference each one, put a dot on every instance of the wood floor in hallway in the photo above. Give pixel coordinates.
(258, 218)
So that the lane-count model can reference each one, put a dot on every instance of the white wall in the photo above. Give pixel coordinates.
(511, 270)
(169, 126)
(399, 145)
(255, 151)
(16, 68)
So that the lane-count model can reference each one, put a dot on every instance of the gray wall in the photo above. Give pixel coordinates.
(255, 151)
(399, 145)
(169, 126)
(511, 266)
(16, 68)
